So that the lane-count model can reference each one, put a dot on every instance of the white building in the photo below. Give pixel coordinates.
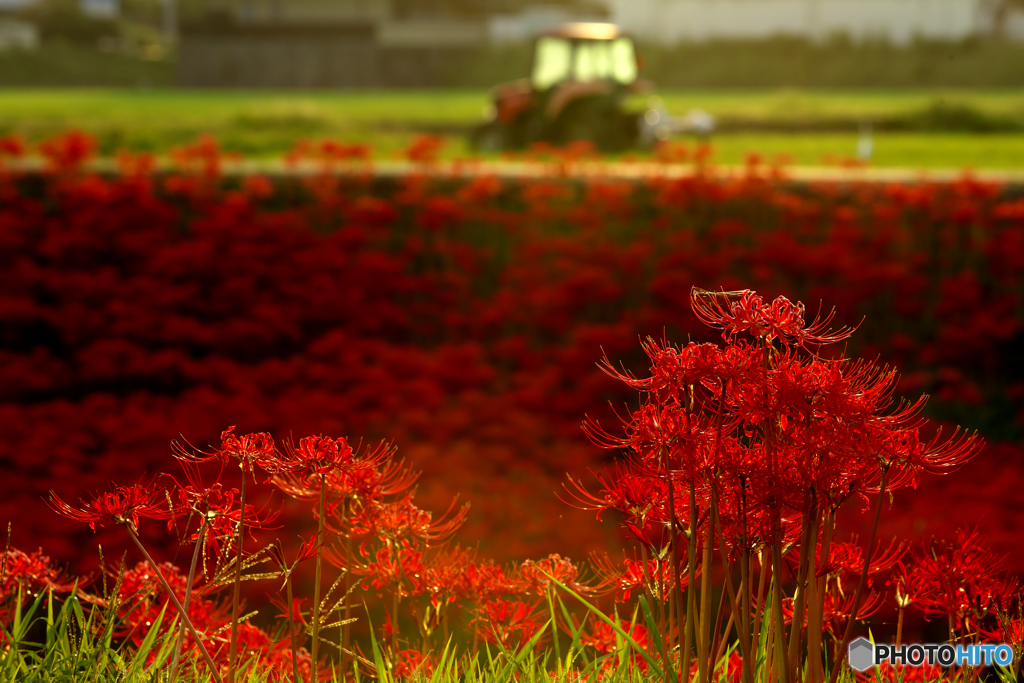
(896, 21)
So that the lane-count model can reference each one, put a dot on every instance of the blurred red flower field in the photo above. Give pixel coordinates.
(463, 319)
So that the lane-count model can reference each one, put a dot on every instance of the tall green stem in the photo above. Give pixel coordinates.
(736, 617)
(236, 593)
(673, 533)
(809, 543)
(704, 634)
(346, 627)
(188, 597)
(778, 623)
(291, 628)
(691, 573)
(315, 647)
(863, 579)
(177, 605)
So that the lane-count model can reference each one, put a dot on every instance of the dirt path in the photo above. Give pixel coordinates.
(578, 169)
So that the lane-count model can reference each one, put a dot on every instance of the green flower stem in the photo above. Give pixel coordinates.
(836, 665)
(736, 617)
(778, 622)
(315, 647)
(236, 593)
(291, 627)
(188, 598)
(174, 601)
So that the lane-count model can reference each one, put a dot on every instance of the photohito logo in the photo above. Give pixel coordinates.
(862, 655)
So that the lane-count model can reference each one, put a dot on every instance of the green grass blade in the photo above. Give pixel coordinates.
(615, 627)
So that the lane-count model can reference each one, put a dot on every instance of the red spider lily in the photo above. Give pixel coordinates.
(248, 449)
(656, 428)
(745, 311)
(33, 573)
(11, 146)
(141, 597)
(604, 639)
(536, 577)
(425, 148)
(906, 584)
(307, 551)
(962, 580)
(347, 472)
(635, 575)
(318, 455)
(1009, 631)
(506, 623)
(217, 506)
(294, 613)
(402, 519)
(443, 576)
(410, 663)
(399, 567)
(362, 484)
(637, 496)
(673, 367)
(222, 525)
(849, 557)
(369, 480)
(485, 581)
(203, 157)
(68, 151)
(122, 505)
(837, 610)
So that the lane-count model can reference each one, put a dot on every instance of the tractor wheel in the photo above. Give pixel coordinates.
(576, 123)
(491, 137)
(598, 122)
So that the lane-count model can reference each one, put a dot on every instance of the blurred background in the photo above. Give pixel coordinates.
(934, 83)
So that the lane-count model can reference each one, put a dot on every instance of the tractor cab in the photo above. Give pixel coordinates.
(580, 76)
(583, 53)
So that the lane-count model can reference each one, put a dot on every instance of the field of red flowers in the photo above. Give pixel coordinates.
(462, 320)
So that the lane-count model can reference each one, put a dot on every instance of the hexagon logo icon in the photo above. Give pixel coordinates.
(861, 654)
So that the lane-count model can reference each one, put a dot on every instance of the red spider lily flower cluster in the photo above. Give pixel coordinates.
(122, 505)
(509, 623)
(960, 581)
(31, 574)
(412, 662)
(750, 450)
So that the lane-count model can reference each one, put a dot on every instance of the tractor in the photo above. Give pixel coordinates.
(581, 75)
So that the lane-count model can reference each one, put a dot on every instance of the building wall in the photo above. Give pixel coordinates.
(310, 11)
(278, 59)
(898, 21)
(294, 57)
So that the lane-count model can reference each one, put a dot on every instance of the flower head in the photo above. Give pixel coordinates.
(745, 311)
(122, 504)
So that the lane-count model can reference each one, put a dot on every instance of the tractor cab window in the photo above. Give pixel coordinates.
(560, 59)
(597, 60)
(624, 62)
(552, 62)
